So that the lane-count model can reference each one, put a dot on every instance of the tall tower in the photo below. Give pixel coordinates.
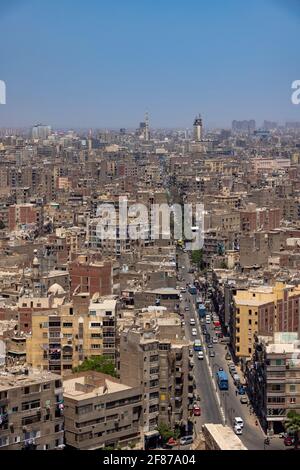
(198, 129)
(147, 132)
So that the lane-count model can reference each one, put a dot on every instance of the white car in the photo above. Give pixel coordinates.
(207, 321)
(182, 323)
(194, 332)
(215, 340)
(192, 322)
(238, 430)
(200, 355)
(238, 422)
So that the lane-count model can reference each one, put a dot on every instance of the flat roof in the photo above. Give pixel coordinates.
(106, 387)
(9, 380)
(224, 437)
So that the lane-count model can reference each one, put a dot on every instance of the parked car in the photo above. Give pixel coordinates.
(200, 355)
(210, 345)
(215, 340)
(227, 356)
(196, 410)
(241, 390)
(289, 441)
(172, 442)
(212, 353)
(244, 400)
(192, 322)
(194, 332)
(236, 379)
(186, 440)
(187, 309)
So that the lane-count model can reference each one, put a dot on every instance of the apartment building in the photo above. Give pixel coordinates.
(24, 214)
(263, 310)
(273, 377)
(259, 218)
(101, 411)
(89, 276)
(61, 341)
(161, 366)
(31, 410)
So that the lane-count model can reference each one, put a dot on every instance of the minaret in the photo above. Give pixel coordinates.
(35, 271)
(198, 129)
(147, 133)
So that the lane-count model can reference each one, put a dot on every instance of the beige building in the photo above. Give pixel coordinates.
(263, 310)
(273, 377)
(152, 354)
(219, 437)
(31, 410)
(100, 411)
(62, 340)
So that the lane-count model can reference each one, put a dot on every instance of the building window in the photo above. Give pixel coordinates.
(67, 325)
(292, 388)
(292, 400)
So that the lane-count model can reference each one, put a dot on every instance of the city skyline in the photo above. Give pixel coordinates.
(226, 61)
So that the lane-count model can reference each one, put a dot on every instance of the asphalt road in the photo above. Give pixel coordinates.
(211, 412)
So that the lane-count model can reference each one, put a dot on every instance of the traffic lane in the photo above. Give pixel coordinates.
(210, 412)
(208, 399)
(209, 408)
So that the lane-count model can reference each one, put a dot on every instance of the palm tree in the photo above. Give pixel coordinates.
(292, 425)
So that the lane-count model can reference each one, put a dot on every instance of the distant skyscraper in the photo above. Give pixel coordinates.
(244, 126)
(41, 132)
(144, 131)
(198, 129)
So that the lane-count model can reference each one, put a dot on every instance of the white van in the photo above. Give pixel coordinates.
(192, 322)
(200, 355)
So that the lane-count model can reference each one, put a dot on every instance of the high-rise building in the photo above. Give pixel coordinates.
(40, 132)
(198, 129)
(154, 357)
(31, 410)
(63, 339)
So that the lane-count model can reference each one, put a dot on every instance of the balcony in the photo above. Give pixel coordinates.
(281, 368)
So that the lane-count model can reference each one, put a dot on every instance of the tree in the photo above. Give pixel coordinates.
(167, 433)
(99, 364)
(292, 425)
(197, 258)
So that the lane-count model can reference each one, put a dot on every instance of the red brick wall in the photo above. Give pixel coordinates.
(91, 279)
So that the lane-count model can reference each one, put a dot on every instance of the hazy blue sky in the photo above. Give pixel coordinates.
(97, 63)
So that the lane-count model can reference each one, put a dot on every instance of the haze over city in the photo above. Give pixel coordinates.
(103, 64)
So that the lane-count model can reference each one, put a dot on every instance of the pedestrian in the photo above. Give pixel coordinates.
(236, 393)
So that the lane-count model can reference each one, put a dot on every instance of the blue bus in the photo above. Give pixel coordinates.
(222, 380)
(197, 345)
